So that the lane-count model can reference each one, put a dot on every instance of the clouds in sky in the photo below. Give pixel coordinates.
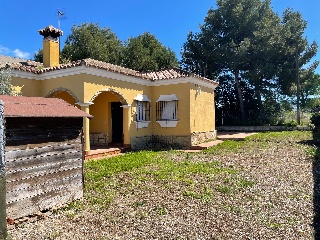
(16, 53)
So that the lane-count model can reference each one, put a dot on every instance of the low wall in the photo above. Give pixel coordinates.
(171, 142)
(261, 128)
(160, 142)
(200, 137)
(99, 139)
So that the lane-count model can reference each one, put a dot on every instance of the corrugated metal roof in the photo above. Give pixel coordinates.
(20, 106)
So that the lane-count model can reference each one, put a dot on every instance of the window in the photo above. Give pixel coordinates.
(167, 110)
(142, 111)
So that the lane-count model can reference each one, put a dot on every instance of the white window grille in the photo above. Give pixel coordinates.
(142, 108)
(167, 110)
(143, 111)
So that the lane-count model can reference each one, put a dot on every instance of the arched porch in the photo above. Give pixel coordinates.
(110, 122)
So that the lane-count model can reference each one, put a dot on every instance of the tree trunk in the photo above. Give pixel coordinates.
(240, 97)
(259, 99)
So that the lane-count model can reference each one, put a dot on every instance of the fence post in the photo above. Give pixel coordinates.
(3, 215)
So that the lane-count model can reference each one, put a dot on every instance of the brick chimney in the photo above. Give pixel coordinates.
(51, 46)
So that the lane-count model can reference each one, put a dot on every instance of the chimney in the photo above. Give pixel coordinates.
(51, 46)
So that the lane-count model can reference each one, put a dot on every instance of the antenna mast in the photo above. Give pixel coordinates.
(61, 15)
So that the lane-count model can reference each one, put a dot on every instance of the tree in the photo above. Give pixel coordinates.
(142, 53)
(88, 40)
(256, 46)
(146, 53)
(38, 57)
(228, 36)
(6, 87)
(298, 53)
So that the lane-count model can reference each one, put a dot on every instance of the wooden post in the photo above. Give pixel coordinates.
(3, 214)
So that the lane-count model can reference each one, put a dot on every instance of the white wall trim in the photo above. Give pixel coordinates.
(142, 98)
(167, 123)
(142, 124)
(85, 104)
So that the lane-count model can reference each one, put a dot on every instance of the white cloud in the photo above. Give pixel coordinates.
(4, 50)
(24, 55)
(15, 53)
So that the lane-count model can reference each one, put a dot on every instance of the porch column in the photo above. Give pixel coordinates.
(126, 124)
(86, 126)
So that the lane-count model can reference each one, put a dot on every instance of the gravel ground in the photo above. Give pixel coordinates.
(269, 196)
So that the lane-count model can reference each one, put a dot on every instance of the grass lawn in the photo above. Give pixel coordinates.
(260, 188)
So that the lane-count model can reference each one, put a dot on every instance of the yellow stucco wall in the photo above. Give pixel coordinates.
(101, 110)
(51, 53)
(196, 111)
(202, 113)
(73, 83)
(66, 97)
(27, 87)
(127, 91)
(182, 91)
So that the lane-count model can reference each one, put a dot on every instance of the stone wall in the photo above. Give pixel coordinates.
(99, 139)
(160, 142)
(200, 137)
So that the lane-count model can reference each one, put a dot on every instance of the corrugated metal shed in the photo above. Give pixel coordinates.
(20, 106)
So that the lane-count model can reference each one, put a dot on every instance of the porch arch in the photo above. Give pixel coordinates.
(112, 91)
(60, 90)
(110, 110)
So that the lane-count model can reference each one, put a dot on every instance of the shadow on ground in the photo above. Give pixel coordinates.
(316, 187)
(316, 193)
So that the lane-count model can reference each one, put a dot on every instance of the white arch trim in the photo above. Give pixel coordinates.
(57, 90)
(113, 91)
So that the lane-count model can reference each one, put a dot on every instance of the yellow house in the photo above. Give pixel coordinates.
(163, 109)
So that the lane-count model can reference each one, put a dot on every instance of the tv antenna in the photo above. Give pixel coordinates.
(61, 13)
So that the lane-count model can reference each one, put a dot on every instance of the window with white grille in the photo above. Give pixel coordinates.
(143, 111)
(167, 110)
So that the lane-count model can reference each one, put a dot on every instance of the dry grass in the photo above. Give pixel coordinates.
(261, 188)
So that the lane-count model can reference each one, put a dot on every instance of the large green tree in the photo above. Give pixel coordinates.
(89, 40)
(247, 39)
(228, 36)
(146, 53)
(297, 54)
(142, 53)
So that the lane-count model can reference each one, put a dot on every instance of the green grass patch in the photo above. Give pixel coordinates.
(283, 136)
(228, 146)
(96, 170)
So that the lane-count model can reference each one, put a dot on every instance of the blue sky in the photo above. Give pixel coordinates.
(169, 21)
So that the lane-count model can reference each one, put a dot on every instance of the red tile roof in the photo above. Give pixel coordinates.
(20, 106)
(165, 74)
